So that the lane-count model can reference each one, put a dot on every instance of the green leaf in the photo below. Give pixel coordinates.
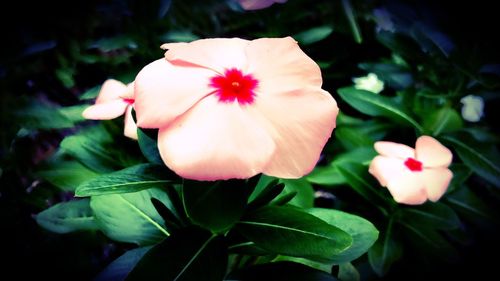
(91, 93)
(442, 121)
(363, 232)
(384, 252)
(66, 175)
(147, 139)
(326, 267)
(468, 203)
(434, 215)
(376, 105)
(351, 137)
(313, 35)
(289, 231)
(285, 270)
(460, 174)
(108, 44)
(90, 147)
(123, 265)
(178, 36)
(73, 113)
(188, 254)
(480, 163)
(304, 190)
(326, 176)
(128, 180)
(68, 217)
(347, 272)
(394, 75)
(37, 115)
(131, 217)
(430, 243)
(65, 75)
(215, 205)
(265, 183)
(356, 175)
(267, 195)
(362, 155)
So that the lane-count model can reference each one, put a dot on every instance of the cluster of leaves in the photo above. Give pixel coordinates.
(185, 227)
(168, 228)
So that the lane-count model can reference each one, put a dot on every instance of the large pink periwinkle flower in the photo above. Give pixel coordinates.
(114, 100)
(413, 175)
(258, 4)
(233, 108)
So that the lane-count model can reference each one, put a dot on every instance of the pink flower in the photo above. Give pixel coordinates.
(233, 108)
(258, 4)
(413, 175)
(114, 99)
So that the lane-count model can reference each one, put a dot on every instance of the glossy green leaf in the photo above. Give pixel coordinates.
(37, 115)
(128, 180)
(384, 252)
(68, 217)
(91, 93)
(90, 147)
(363, 232)
(376, 105)
(73, 113)
(460, 174)
(304, 190)
(347, 272)
(360, 155)
(434, 215)
(264, 185)
(442, 121)
(268, 194)
(464, 201)
(66, 174)
(325, 176)
(289, 231)
(215, 205)
(178, 36)
(131, 217)
(356, 175)
(147, 139)
(123, 265)
(188, 254)
(313, 35)
(481, 163)
(285, 270)
(351, 137)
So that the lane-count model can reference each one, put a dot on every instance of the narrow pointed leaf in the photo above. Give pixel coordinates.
(289, 231)
(377, 105)
(132, 179)
(68, 217)
(188, 254)
(123, 265)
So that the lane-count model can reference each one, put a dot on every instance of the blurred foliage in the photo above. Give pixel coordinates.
(56, 55)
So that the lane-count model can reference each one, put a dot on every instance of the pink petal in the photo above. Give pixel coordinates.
(281, 66)
(163, 92)
(385, 169)
(255, 4)
(408, 188)
(392, 149)
(129, 92)
(300, 123)
(130, 128)
(105, 111)
(436, 181)
(217, 54)
(110, 90)
(214, 141)
(432, 153)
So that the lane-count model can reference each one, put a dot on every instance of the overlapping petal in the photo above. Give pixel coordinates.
(258, 4)
(407, 188)
(432, 153)
(111, 90)
(281, 66)
(106, 110)
(217, 54)
(392, 149)
(215, 141)
(130, 128)
(436, 182)
(163, 92)
(384, 169)
(300, 123)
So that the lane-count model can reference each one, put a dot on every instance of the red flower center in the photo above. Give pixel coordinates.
(233, 85)
(414, 165)
(129, 101)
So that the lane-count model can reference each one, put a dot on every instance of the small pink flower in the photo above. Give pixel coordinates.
(413, 175)
(258, 4)
(114, 100)
(233, 108)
